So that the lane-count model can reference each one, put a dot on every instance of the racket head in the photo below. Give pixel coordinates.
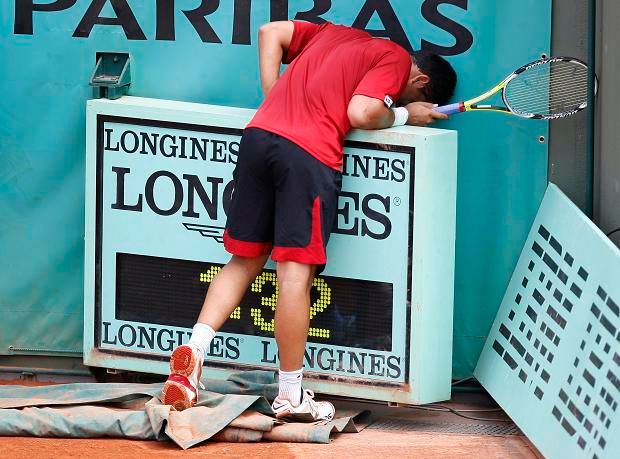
(549, 88)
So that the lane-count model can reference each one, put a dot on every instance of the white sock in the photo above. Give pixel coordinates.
(202, 335)
(290, 385)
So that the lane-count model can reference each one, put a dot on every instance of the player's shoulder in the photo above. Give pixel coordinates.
(387, 51)
(389, 45)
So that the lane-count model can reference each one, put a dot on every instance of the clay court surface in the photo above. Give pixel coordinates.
(397, 432)
(370, 443)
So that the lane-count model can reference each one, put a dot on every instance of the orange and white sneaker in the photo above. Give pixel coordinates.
(181, 388)
(308, 410)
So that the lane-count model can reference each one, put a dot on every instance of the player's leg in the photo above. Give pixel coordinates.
(292, 320)
(306, 206)
(248, 236)
(226, 290)
(224, 294)
(292, 317)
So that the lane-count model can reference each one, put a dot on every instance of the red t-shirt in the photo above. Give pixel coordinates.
(328, 65)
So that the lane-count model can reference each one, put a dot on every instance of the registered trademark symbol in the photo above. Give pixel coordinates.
(397, 201)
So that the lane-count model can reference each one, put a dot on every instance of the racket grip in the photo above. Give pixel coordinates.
(450, 109)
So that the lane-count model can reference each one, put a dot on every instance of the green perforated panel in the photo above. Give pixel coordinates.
(552, 359)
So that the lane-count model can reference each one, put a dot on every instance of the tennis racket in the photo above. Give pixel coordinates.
(549, 88)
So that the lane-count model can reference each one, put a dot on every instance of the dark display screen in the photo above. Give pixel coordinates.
(165, 291)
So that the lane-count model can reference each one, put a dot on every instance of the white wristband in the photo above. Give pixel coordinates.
(401, 115)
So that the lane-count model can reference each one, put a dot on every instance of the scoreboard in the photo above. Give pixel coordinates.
(158, 187)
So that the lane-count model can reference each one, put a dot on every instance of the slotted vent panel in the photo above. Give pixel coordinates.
(552, 359)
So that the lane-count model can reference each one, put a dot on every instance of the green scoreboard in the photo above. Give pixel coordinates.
(158, 187)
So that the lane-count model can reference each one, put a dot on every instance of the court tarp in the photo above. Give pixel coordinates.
(90, 410)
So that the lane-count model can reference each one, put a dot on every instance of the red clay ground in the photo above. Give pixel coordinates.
(372, 442)
(369, 443)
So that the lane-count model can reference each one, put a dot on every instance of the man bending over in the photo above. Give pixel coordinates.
(287, 181)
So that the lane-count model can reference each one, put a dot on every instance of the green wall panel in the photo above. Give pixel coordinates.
(45, 71)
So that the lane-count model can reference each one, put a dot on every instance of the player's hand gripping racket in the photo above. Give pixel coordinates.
(554, 87)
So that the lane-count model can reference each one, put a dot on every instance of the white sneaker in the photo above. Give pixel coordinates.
(181, 388)
(308, 410)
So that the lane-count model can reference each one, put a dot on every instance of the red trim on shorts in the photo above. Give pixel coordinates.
(245, 249)
(314, 252)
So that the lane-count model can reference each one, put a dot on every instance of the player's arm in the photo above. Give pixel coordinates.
(370, 113)
(274, 39)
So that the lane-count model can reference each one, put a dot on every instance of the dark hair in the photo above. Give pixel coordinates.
(440, 88)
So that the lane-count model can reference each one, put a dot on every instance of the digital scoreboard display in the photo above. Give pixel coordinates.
(343, 312)
(158, 189)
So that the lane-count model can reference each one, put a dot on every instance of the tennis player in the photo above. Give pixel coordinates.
(287, 181)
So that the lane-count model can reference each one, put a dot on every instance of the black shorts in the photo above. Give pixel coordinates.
(284, 201)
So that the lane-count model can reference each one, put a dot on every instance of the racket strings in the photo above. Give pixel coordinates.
(548, 89)
(553, 106)
(541, 87)
(558, 89)
(563, 79)
(559, 97)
